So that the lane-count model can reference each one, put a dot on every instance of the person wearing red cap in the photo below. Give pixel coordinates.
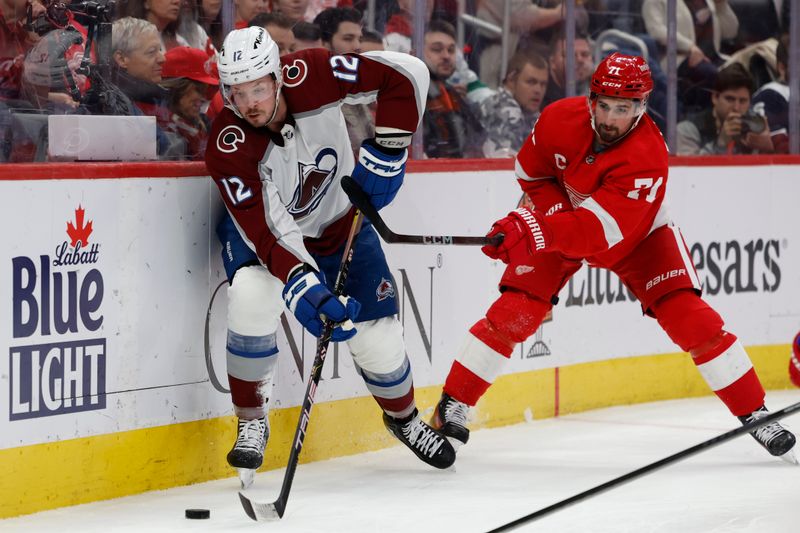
(189, 74)
(596, 172)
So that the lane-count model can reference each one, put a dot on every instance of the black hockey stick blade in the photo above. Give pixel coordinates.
(260, 511)
(360, 199)
(630, 476)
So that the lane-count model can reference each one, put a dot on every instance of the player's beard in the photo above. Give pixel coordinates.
(608, 136)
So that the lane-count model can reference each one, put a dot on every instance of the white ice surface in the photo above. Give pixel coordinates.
(503, 474)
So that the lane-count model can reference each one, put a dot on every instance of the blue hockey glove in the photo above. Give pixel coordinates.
(379, 172)
(312, 302)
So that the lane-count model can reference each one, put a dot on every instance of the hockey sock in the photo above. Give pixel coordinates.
(727, 369)
(512, 318)
(721, 359)
(394, 391)
(251, 362)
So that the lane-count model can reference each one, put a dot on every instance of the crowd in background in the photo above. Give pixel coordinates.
(158, 59)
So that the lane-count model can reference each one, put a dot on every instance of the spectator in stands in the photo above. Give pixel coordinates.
(726, 127)
(451, 127)
(294, 10)
(400, 24)
(187, 74)
(247, 9)
(49, 86)
(209, 16)
(15, 41)
(307, 35)
(760, 19)
(341, 30)
(701, 26)
(509, 115)
(315, 7)
(584, 67)
(341, 34)
(177, 27)
(279, 28)
(137, 70)
(772, 100)
(371, 40)
(50, 78)
(526, 18)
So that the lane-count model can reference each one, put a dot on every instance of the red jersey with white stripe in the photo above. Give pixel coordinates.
(611, 198)
(283, 189)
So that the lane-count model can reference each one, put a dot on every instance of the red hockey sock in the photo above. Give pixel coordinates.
(727, 369)
(511, 319)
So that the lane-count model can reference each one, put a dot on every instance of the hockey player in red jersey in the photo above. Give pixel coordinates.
(277, 153)
(596, 171)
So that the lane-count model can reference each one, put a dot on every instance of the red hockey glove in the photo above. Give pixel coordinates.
(525, 233)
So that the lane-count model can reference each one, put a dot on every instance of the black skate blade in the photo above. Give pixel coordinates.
(262, 512)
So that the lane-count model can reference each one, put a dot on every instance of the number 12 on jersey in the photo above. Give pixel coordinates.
(345, 68)
(237, 191)
(645, 183)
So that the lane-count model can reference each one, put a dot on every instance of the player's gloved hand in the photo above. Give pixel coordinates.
(312, 303)
(525, 233)
(379, 171)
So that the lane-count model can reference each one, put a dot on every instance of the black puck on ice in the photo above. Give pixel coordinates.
(198, 514)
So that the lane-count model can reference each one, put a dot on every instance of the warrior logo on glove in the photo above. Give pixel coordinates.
(525, 233)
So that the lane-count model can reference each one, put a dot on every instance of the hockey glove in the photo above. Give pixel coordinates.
(312, 303)
(525, 233)
(379, 171)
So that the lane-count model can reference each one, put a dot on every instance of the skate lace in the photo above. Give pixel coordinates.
(456, 412)
(766, 433)
(251, 434)
(422, 437)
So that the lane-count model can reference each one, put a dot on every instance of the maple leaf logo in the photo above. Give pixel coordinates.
(79, 231)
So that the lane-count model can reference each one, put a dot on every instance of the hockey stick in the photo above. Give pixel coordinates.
(359, 199)
(273, 511)
(688, 452)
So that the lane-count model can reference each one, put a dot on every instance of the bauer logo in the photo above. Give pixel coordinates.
(59, 364)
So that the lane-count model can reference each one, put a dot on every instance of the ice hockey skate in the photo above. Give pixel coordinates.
(450, 418)
(426, 443)
(247, 453)
(776, 439)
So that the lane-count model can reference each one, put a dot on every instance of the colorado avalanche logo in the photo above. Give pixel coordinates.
(229, 138)
(385, 290)
(295, 74)
(315, 179)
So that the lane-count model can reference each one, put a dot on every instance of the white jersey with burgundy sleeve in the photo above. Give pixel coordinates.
(283, 189)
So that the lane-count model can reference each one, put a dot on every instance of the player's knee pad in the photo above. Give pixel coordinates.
(378, 346)
(254, 302)
(513, 317)
(688, 320)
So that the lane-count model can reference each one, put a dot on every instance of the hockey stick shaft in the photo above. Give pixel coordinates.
(360, 199)
(630, 476)
(260, 511)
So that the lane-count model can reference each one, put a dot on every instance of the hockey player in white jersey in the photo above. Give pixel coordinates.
(277, 153)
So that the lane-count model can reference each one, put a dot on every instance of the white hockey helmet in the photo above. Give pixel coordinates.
(247, 54)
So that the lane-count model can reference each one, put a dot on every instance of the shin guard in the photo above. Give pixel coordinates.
(512, 318)
(721, 359)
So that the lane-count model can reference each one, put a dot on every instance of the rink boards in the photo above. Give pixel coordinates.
(105, 389)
